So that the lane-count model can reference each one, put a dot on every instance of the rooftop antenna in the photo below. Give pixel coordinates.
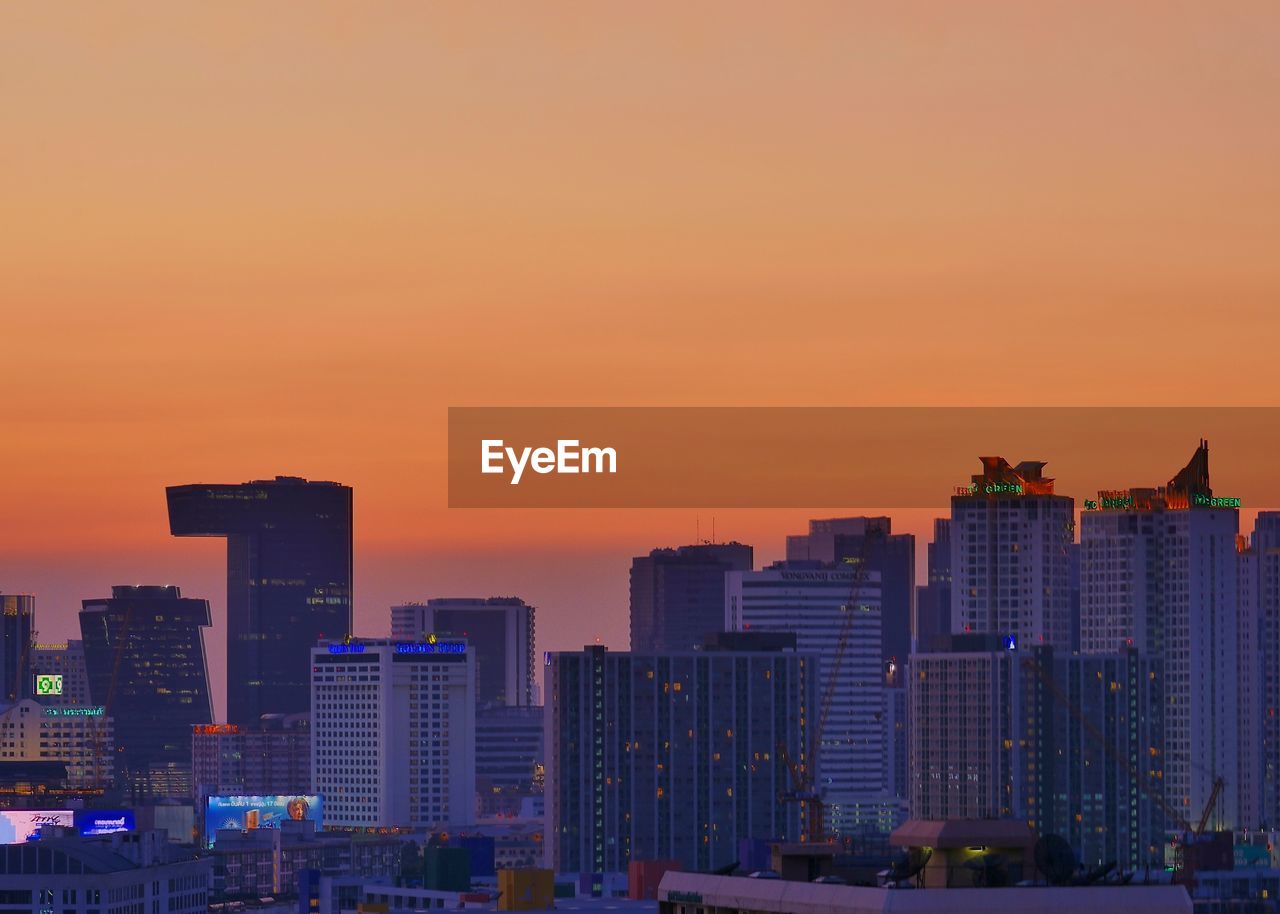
(697, 528)
(713, 528)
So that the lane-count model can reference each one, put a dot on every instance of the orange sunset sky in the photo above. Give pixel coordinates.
(246, 239)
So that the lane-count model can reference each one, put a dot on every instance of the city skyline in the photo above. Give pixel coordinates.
(301, 281)
(562, 602)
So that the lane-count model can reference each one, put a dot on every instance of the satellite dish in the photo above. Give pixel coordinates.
(910, 864)
(1097, 874)
(1055, 859)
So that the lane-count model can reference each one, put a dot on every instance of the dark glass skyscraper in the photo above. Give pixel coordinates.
(144, 653)
(677, 595)
(288, 581)
(17, 618)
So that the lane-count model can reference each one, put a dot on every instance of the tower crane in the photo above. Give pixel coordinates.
(804, 790)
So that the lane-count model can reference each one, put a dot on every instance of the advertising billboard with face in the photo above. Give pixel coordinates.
(19, 825)
(244, 813)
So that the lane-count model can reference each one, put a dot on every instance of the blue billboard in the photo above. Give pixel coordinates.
(104, 821)
(245, 813)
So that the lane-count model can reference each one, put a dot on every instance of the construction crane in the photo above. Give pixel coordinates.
(1172, 814)
(801, 771)
(1155, 796)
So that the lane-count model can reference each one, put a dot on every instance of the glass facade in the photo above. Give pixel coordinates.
(144, 653)
(289, 573)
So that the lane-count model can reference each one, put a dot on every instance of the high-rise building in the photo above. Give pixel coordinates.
(271, 759)
(79, 737)
(933, 599)
(1070, 744)
(393, 733)
(1251, 659)
(677, 595)
(499, 630)
(289, 574)
(1159, 572)
(813, 601)
(144, 652)
(510, 761)
(65, 662)
(17, 625)
(1262, 580)
(892, 556)
(674, 755)
(1010, 555)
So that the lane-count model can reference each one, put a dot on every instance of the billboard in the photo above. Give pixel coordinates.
(19, 825)
(104, 821)
(248, 813)
(48, 684)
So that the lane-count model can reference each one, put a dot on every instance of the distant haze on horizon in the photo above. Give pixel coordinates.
(242, 241)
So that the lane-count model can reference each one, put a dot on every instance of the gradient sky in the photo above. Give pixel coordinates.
(243, 239)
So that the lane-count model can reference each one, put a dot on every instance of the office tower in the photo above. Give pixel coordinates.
(509, 758)
(1010, 555)
(499, 630)
(1260, 593)
(288, 581)
(270, 759)
(813, 601)
(65, 663)
(892, 556)
(144, 652)
(677, 595)
(672, 755)
(17, 624)
(1159, 573)
(393, 733)
(933, 600)
(79, 737)
(1070, 744)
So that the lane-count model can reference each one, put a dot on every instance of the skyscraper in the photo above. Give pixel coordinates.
(813, 601)
(1071, 744)
(289, 568)
(677, 595)
(393, 733)
(933, 600)
(1159, 572)
(672, 755)
(144, 651)
(1262, 578)
(500, 631)
(1010, 555)
(17, 622)
(892, 556)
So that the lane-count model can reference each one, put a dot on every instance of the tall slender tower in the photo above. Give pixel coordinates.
(289, 569)
(1010, 555)
(1160, 573)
